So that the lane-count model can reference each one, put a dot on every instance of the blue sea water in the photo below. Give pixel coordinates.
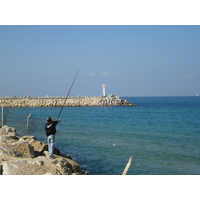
(162, 134)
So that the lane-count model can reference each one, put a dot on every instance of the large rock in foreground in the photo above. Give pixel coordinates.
(39, 166)
(27, 156)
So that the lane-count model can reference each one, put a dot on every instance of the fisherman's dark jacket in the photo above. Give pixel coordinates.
(50, 128)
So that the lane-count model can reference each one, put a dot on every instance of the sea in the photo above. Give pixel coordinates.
(161, 134)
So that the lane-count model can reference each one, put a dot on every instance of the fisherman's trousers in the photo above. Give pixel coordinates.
(51, 144)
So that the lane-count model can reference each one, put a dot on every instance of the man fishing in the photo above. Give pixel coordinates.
(50, 128)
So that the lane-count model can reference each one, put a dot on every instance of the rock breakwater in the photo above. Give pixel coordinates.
(110, 100)
(28, 156)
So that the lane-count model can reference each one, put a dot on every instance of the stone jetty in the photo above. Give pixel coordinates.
(25, 155)
(110, 100)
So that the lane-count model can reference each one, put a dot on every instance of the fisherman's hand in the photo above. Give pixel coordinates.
(58, 120)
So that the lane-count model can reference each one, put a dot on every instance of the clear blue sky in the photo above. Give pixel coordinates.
(131, 60)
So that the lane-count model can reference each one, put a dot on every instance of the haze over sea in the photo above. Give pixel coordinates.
(162, 134)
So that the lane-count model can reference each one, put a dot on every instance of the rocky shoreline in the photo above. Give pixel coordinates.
(27, 156)
(110, 100)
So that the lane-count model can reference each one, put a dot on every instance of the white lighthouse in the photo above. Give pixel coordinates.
(104, 90)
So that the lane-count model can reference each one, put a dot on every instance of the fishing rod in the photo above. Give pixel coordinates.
(68, 94)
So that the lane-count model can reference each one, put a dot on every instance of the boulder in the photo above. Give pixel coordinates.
(63, 166)
(24, 148)
(39, 166)
(6, 151)
(39, 147)
(66, 156)
(27, 138)
(8, 135)
(6, 129)
(75, 167)
(24, 167)
(9, 139)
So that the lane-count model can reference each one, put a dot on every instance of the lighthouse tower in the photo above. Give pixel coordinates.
(104, 90)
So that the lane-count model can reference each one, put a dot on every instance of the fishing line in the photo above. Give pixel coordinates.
(68, 94)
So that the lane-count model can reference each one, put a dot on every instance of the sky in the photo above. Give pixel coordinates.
(131, 60)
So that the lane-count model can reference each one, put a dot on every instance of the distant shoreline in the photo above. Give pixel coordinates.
(110, 100)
